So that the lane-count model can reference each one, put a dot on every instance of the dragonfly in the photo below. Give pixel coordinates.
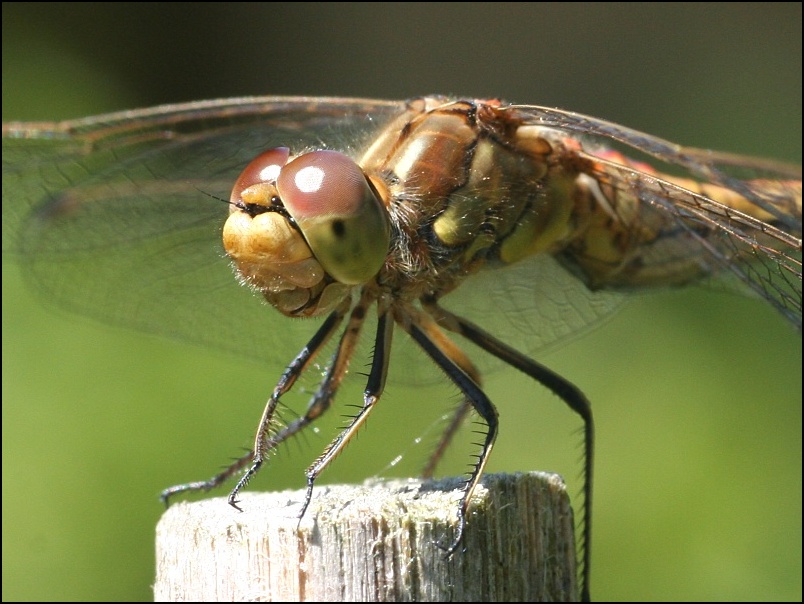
(188, 219)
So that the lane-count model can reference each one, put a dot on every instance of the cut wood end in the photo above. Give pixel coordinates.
(377, 542)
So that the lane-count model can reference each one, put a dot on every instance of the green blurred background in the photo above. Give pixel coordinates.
(697, 395)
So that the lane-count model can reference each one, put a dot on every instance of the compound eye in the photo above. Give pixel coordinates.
(344, 222)
(263, 169)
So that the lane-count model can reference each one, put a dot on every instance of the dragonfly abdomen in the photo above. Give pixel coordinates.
(634, 236)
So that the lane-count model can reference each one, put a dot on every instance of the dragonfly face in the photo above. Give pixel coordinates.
(427, 198)
(293, 223)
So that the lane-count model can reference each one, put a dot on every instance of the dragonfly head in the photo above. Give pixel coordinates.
(304, 230)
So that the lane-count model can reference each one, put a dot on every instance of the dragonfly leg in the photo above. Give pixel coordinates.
(459, 415)
(207, 485)
(564, 389)
(374, 386)
(264, 442)
(452, 361)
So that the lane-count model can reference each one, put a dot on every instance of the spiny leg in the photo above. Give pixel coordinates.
(322, 399)
(207, 485)
(459, 415)
(565, 390)
(374, 385)
(263, 442)
(438, 347)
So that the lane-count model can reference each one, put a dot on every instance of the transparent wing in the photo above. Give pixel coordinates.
(761, 254)
(119, 216)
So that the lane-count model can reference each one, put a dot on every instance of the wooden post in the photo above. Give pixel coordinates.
(373, 543)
